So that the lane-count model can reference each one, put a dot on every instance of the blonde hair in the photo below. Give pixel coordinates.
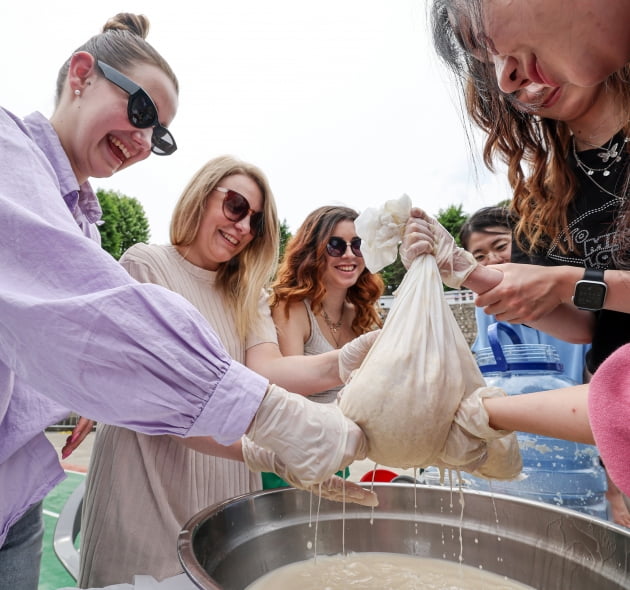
(121, 45)
(241, 279)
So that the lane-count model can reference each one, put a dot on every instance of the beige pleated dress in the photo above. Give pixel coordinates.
(142, 489)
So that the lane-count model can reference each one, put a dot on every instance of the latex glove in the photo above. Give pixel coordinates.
(352, 354)
(336, 488)
(79, 432)
(455, 263)
(473, 445)
(313, 440)
(418, 239)
(473, 416)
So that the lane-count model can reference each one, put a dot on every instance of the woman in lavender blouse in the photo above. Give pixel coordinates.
(78, 333)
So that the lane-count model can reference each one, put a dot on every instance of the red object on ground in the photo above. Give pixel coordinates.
(382, 475)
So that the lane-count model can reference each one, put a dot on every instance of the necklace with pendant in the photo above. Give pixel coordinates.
(610, 153)
(334, 327)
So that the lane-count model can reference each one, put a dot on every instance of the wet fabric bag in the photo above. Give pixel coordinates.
(418, 393)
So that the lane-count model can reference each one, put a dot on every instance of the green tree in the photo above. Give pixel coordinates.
(124, 222)
(452, 218)
(285, 236)
(392, 275)
(110, 235)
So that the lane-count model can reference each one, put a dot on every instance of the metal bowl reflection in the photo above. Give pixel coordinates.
(229, 545)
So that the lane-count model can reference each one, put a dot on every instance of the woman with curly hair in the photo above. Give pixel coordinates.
(554, 42)
(567, 151)
(324, 296)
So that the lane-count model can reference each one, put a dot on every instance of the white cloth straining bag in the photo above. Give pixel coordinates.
(417, 395)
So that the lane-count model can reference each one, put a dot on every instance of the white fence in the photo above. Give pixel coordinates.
(456, 297)
(452, 297)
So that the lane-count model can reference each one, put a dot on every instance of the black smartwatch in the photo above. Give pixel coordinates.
(590, 292)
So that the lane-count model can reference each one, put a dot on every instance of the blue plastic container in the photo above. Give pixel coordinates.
(555, 471)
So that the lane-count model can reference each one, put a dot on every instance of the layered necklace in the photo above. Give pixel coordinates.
(334, 327)
(610, 154)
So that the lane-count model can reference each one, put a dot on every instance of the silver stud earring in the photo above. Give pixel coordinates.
(77, 92)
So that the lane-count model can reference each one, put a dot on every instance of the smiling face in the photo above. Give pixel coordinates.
(219, 239)
(492, 246)
(344, 271)
(549, 42)
(93, 126)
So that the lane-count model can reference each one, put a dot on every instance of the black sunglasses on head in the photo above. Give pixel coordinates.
(236, 208)
(141, 111)
(337, 247)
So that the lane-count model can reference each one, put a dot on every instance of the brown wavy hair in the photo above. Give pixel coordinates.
(304, 262)
(534, 149)
(536, 152)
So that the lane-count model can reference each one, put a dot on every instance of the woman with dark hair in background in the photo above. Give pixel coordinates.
(487, 235)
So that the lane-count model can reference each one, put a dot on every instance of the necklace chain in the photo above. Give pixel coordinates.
(332, 326)
(609, 153)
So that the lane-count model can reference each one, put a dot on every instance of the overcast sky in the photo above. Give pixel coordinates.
(338, 101)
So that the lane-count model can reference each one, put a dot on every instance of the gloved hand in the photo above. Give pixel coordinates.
(336, 488)
(352, 354)
(312, 440)
(418, 239)
(455, 263)
(473, 445)
(473, 416)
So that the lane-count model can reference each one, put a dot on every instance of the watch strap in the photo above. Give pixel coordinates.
(594, 274)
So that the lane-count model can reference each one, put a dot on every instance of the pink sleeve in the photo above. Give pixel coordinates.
(609, 415)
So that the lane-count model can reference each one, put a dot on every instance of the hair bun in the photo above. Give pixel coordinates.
(126, 21)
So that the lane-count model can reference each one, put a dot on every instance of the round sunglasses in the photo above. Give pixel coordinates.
(141, 111)
(236, 208)
(337, 247)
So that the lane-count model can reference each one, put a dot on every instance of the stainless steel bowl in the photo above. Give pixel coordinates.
(229, 545)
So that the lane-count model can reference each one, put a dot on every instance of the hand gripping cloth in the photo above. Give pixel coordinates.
(418, 393)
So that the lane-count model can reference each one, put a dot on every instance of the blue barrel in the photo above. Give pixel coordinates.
(555, 471)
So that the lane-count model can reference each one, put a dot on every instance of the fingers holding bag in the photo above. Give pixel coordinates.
(417, 240)
(421, 232)
(474, 446)
(313, 440)
(352, 354)
(335, 488)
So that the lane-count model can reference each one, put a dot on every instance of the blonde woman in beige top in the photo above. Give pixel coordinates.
(141, 489)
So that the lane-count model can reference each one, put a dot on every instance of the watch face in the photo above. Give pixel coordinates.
(589, 295)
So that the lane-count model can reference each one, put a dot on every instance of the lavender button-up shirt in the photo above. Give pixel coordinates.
(77, 333)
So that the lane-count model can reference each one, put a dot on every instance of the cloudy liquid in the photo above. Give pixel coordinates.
(382, 571)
